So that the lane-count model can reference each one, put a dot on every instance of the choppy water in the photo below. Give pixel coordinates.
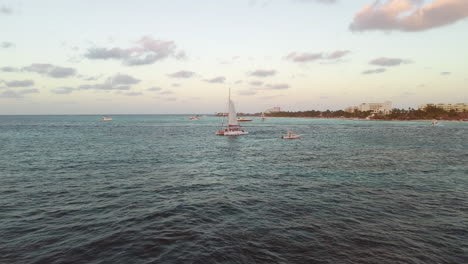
(163, 189)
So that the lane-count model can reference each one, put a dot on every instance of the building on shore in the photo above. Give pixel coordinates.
(459, 108)
(375, 108)
(275, 109)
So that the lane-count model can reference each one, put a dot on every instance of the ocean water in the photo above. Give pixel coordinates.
(163, 189)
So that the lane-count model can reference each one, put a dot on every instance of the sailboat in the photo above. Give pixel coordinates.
(233, 128)
(291, 135)
(262, 116)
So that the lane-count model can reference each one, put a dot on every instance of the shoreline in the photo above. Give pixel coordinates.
(364, 119)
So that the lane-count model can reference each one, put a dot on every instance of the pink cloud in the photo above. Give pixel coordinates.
(409, 15)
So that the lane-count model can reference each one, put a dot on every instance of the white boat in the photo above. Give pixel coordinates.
(106, 118)
(262, 116)
(193, 118)
(233, 128)
(291, 135)
(435, 122)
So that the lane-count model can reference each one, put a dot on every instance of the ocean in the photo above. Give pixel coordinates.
(164, 189)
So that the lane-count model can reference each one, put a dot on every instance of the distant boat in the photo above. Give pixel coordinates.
(262, 116)
(241, 119)
(233, 128)
(106, 118)
(194, 118)
(434, 122)
(291, 135)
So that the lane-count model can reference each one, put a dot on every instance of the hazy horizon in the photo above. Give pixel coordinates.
(156, 57)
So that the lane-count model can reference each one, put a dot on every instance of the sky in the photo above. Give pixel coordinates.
(181, 56)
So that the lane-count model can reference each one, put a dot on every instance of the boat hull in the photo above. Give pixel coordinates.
(231, 133)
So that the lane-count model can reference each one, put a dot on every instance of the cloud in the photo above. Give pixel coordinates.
(166, 92)
(374, 71)
(317, 1)
(17, 94)
(445, 73)
(262, 73)
(408, 15)
(175, 85)
(238, 82)
(9, 69)
(388, 62)
(281, 86)
(118, 82)
(6, 45)
(154, 89)
(22, 83)
(303, 57)
(147, 51)
(247, 92)
(181, 74)
(337, 54)
(256, 83)
(6, 10)
(219, 79)
(133, 93)
(63, 90)
(50, 70)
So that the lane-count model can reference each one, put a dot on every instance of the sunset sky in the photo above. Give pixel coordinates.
(160, 57)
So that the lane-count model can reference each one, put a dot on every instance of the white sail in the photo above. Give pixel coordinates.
(232, 114)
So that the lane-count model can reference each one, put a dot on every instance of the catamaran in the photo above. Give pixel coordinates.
(233, 128)
(291, 135)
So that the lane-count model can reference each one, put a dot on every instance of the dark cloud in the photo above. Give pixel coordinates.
(409, 15)
(50, 70)
(21, 83)
(148, 51)
(6, 10)
(18, 94)
(219, 79)
(63, 90)
(6, 45)
(262, 73)
(154, 89)
(182, 74)
(281, 86)
(256, 83)
(374, 71)
(9, 69)
(388, 62)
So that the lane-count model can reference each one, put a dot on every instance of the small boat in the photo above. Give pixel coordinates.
(106, 118)
(193, 118)
(241, 119)
(434, 122)
(262, 117)
(291, 135)
(233, 128)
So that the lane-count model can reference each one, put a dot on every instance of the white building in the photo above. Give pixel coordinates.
(273, 110)
(460, 108)
(385, 108)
